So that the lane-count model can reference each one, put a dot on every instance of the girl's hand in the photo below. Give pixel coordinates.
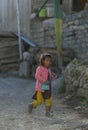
(46, 82)
(53, 75)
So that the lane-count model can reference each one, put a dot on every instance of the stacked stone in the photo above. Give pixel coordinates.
(43, 33)
(49, 33)
(75, 33)
(36, 32)
(76, 78)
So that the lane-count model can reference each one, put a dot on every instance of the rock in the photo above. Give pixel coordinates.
(78, 129)
(24, 69)
(82, 92)
(77, 108)
(76, 78)
(76, 83)
(57, 84)
(69, 97)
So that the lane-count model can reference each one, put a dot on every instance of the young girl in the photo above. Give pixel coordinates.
(43, 88)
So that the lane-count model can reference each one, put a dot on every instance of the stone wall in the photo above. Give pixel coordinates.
(76, 78)
(43, 32)
(75, 38)
(67, 6)
(43, 35)
(36, 32)
(75, 33)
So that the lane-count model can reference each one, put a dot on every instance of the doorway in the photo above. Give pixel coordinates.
(79, 5)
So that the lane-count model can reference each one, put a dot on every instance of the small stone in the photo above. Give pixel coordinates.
(78, 107)
(69, 97)
(78, 129)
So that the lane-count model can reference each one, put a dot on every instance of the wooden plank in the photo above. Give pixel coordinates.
(9, 52)
(10, 67)
(6, 34)
(8, 44)
(10, 49)
(8, 56)
(82, 4)
(9, 60)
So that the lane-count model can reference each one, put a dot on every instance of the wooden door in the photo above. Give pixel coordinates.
(78, 5)
(82, 4)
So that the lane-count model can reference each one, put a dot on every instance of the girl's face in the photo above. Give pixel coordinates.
(47, 62)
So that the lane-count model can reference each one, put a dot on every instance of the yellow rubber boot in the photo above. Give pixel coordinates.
(30, 108)
(48, 114)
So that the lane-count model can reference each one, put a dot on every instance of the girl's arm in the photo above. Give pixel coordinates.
(38, 75)
(53, 76)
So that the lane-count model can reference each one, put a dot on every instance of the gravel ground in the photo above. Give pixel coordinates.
(15, 95)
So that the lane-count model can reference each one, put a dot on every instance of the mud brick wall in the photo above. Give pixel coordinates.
(76, 79)
(36, 32)
(75, 33)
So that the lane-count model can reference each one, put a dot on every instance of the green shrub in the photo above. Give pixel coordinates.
(85, 102)
(62, 88)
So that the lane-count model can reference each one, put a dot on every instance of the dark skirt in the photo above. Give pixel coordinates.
(46, 94)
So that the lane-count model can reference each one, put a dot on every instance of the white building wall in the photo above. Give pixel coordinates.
(8, 15)
(67, 6)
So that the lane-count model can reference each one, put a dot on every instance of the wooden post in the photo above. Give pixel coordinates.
(58, 29)
(18, 22)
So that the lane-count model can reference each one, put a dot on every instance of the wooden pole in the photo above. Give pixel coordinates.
(19, 34)
(58, 29)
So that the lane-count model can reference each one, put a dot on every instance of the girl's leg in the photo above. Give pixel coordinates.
(49, 101)
(48, 106)
(37, 102)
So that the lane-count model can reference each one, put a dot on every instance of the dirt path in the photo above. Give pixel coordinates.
(15, 95)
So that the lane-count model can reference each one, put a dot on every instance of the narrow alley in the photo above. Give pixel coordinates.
(15, 95)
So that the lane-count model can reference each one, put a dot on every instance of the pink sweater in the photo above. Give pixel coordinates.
(41, 75)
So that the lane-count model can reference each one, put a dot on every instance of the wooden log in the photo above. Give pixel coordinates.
(9, 67)
(7, 34)
(8, 44)
(9, 51)
(9, 60)
(8, 56)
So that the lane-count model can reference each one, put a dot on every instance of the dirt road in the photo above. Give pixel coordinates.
(15, 95)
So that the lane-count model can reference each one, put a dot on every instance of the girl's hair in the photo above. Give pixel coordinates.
(43, 57)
